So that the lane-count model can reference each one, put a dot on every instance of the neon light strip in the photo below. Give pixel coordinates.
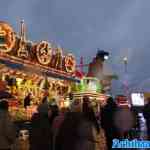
(26, 62)
(23, 63)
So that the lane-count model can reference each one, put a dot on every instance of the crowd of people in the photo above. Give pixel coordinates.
(77, 128)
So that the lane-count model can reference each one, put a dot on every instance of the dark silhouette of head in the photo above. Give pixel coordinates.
(3, 105)
(29, 95)
(110, 102)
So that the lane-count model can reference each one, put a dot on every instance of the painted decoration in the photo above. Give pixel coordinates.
(43, 53)
(70, 63)
(7, 37)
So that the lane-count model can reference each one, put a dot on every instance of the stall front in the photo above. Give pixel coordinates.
(35, 68)
(90, 87)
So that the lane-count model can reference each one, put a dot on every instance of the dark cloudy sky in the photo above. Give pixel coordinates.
(82, 26)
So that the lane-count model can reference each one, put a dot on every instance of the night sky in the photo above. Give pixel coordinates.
(82, 26)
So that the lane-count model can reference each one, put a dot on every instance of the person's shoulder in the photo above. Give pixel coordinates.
(147, 106)
(35, 116)
(73, 116)
(6, 115)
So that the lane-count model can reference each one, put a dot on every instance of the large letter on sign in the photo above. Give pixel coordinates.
(70, 63)
(7, 37)
(43, 53)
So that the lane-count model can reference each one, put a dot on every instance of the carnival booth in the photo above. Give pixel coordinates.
(90, 87)
(30, 67)
(96, 83)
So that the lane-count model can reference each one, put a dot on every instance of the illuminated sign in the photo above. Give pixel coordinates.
(70, 63)
(43, 53)
(137, 99)
(7, 37)
(89, 84)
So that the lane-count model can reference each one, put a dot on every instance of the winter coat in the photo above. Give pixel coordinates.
(56, 126)
(40, 133)
(89, 138)
(146, 114)
(7, 131)
(27, 101)
(77, 133)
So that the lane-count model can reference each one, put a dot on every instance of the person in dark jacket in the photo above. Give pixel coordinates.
(91, 135)
(40, 130)
(27, 100)
(146, 114)
(107, 121)
(80, 130)
(54, 112)
(7, 128)
(67, 136)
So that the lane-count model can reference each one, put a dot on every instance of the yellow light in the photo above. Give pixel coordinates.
(66, 103)
(19, 80)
